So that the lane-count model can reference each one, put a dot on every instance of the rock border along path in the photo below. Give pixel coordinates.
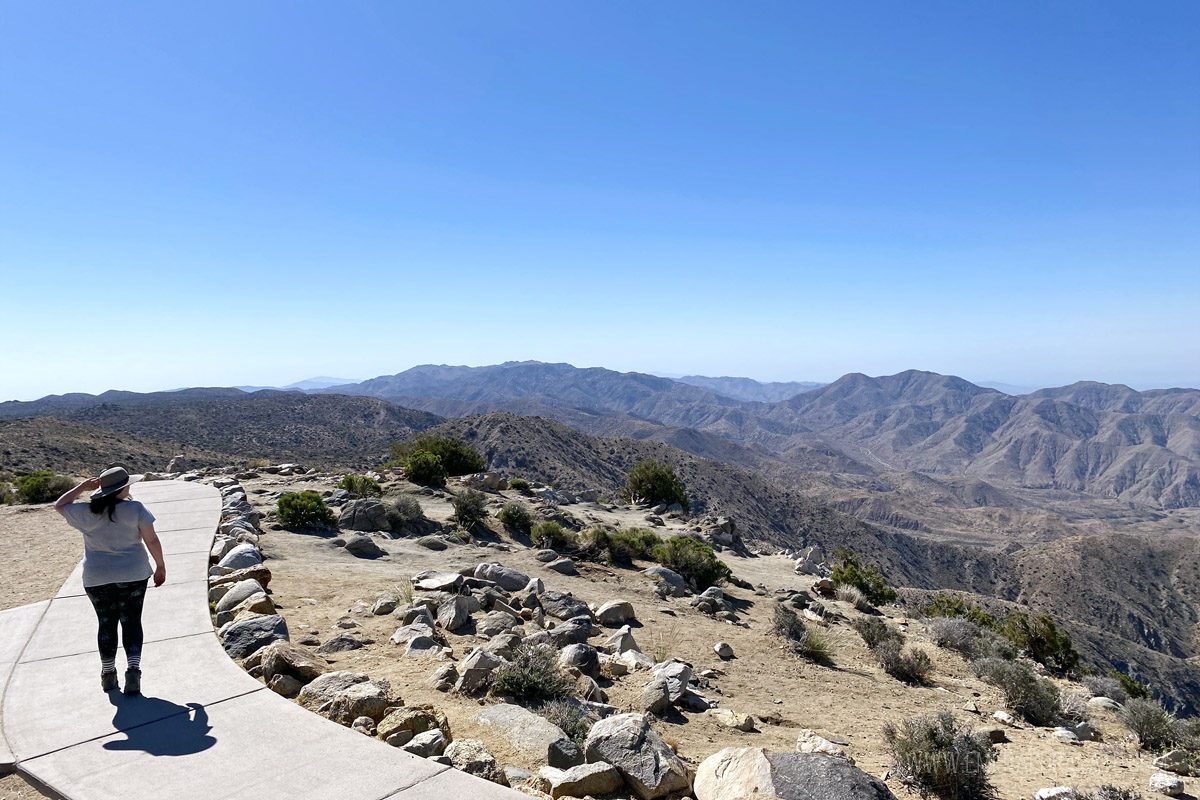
(204, 728)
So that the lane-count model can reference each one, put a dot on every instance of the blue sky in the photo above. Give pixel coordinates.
(253, 193)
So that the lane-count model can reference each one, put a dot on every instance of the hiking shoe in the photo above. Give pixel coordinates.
(108, 680)
(133, 681)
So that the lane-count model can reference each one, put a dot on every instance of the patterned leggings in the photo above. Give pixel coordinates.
(119, 602)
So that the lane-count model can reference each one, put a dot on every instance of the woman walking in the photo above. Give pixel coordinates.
(115, 567)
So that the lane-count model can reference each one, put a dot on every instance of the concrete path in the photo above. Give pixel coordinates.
(203, 728)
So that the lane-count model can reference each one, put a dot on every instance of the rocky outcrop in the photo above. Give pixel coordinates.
(738, 772)
(645, 761)
(532, 735)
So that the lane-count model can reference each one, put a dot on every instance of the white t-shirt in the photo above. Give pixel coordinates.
(113, 549)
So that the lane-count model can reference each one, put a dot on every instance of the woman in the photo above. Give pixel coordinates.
(115, 567)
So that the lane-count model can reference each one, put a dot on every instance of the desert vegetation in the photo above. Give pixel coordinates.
(655, 482)
(303, 510)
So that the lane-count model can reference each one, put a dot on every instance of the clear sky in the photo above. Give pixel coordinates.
(253, 193)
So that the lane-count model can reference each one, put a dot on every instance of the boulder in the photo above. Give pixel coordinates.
(340, 643)
(364, 547)
(656, 697)
(454, 614)
(583, 780)
(564, 606)
(994, 734)
(284, 658)
(677, 675)
(809, 741)
(563, 566)
(443, 677)
(432, 543)
(636, 659)
(432, 581)
(406, 634)
(364, 515)
(546, 556)
(506, 578)
(615, 613)
(495, 623)
(573, 631)
(620, 642)
(1165, 783)
(582, 657)
(257, 603)
(243, 556)
(415, 720)
(645, 761)
(669, 577)
(724, 650)
(285, 686)
(472, 757)
(738, 772)
(324, 688)
(364, 699)
(427, 744)
(1105, 704)
(247, 636)
(385, 604)
(1055, 793)
(532, 735)
(258, 572)
(476, 668)
(1174, 761)
(734, 720)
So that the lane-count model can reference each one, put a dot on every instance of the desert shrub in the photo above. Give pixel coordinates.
(571, 718)
(666, 643)
(619, 547)
(1034, 698)
(1045, 642)
(552, 535)
(516, 517)
(803, 640)
(864, 577)
(521, 485)
(1073, 704)
(912, 666)
(1105, 687)
(42, 486)
(875, 632)
(425, 468)
(854, 596)
(532, 674)
(405, 510)
(361, 486)
(470, 508)
(8, 497)
(953, 605)
(992, 645)
(655, 482)
(1109, 792)
(938, 756)
(695, 561)
(302, 510)
(456, 457)
(955, 633)
(1152, 723)
(1132, 688)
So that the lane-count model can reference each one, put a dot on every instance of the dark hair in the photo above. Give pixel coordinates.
(107, 503)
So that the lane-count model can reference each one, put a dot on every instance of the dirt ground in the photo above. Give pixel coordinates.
(38, 551)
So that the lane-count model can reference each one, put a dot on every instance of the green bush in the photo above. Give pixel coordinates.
(1046, 643)
(803, 640)
(937, 756)
(7, 496)
(952, 605)
(521, 485)
(569, 717)
(864, 577)
(425, 468)
(470, 508)
(516, 516)
(655, 482)
(1152, 723)
(532, 674)
(955, 633)
(913, 666)
(302, 510)
(875, 632)
(361, 486)
(405, 510)
(1034, 698)
(456, 457)
(619, 547)
(553, 535)
(1132, 688)
(695, 561)
(42, 486)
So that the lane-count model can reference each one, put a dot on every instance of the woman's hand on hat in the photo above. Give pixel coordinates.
(90, 485)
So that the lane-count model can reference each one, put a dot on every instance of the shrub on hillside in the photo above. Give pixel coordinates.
(42, 486)
(655, 482)
(1153, 724)
(803, 640)
(552, 535)
(405, 510)
(456, 457)
(854, 596)
(864, 577)
(953, 605)
(695, 561)
(425, 468)
(1046, 643)
(938, 756)
(1073, 704)
(1109, 792)
(569, 717)
(619, 547)
(1034, 698)
(515, 516)
(875, 632)
(303, 510)
(955, 633)
(1132, 688)
(521, 485)
(470, 508)
(361, 486)
(532, 674)
(8, 497)
(911, 666)
(1106, 687)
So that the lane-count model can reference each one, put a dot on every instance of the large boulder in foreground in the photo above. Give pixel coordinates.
(247, 636)
(533, 735)
(284, 658)
(645, 761)
(737, 772)
(364, 515)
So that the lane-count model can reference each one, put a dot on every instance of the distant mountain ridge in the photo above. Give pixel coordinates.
(750, 389)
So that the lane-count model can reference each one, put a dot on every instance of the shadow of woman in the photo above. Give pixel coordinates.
(177, 730)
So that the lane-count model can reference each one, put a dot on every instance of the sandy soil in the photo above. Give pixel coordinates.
(38, 550)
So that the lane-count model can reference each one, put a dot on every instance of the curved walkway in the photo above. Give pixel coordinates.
(203, 728)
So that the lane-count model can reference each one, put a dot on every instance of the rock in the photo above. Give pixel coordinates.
(453, 614)
(1066, 736)
(243, 556)
(1055, 793)
(473, 758)
(495, 623)
(994, 734)
(731, 719)
(257, 603)
(1174, 761)
(406, 634)
(220, 547)
(257, 572)
(635, 660)
(655, 697)
(611, 666)
(411, 614)
(364, 699)
(364, 515)
(1165, 783)
(585, 779)
(322, 690)
(340, 643)
(745, 772)
(1085, 732)
(724, 650)
(364, 547)
(1105, 704)
(506, 578)
(620, 642)
(443, 678)
(573, 631)
(645, 761)
(431, 581)
(824, 587)
(1005, 718)
(532, 735)
(385, 604)
(364, 725)
(178, 464)
(432, 543)
(476, 668)
(285, 685)
(545, 556)
(503, 645)
(582, 657)
(671, 578)
(427, 744)
(809, 741)
(284, 658)
(677, 675)
(246, 636)
(416, 720)
(694, 702)
(563, 566)
(564, 606)
(615, 613)
(422, 646)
